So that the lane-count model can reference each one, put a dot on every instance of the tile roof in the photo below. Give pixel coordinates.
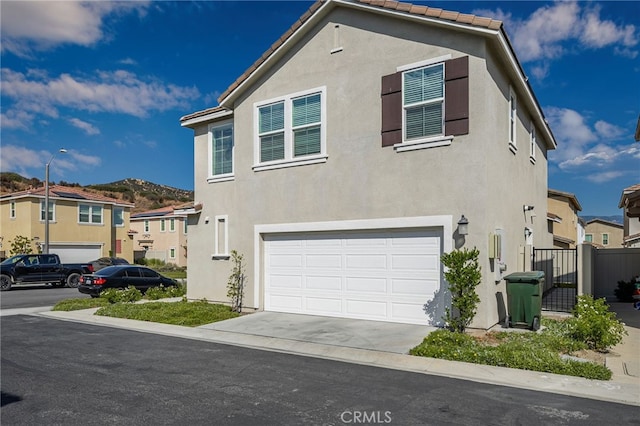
(159, 212)
(66, 192)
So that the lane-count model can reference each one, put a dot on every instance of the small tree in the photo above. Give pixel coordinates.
(21, 245)
(464, 275)
(235, 286)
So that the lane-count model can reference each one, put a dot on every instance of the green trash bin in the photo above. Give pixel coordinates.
(524, 297)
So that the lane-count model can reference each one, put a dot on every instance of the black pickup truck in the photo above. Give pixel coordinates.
(40, 269)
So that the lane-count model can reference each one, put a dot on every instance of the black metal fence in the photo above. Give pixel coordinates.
(560, 267)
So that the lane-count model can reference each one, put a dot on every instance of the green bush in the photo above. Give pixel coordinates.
(595, 325)
(116, 295)
(161, 292)
(526, 351)
(463, 275)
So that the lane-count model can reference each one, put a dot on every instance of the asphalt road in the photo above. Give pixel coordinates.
(59, 372)
(32, 296)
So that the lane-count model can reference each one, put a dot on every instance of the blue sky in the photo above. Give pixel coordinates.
(109, 82)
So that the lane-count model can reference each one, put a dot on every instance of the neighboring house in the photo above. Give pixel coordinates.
(562, 218)
(604, 234)
(161, 234)
(340, 164)
(630, 203)
(83, 226)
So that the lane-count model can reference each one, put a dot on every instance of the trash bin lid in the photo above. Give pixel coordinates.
(525, 277)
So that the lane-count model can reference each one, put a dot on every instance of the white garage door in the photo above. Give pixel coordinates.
(385, 276)
(76, 253)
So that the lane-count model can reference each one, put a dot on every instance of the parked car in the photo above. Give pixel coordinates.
(103, 262)
(122, 276)
(40, 269)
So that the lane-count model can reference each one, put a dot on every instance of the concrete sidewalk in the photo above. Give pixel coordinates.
(244, 331)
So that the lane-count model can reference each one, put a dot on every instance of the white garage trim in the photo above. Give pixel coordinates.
(444, 222)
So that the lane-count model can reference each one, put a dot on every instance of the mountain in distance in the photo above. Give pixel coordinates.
(143, 194)
(616, 218)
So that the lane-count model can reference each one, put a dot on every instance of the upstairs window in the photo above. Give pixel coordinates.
(605, 239)
(291, 130)
(89, 213)
(588, 238)
(172, 225)
(52, 209)
(163, 225)
(12, 210)
(118, 216)
(423, 102)
(146, 226)
(221, 149)
(532, 143)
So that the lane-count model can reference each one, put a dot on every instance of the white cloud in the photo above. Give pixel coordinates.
(608, 130)
(29, 162)
(29, 26)
(542, 35)
(88, 128)
(106, 91)
(604, 176)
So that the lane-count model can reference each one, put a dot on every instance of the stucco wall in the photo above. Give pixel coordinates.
(477, 175)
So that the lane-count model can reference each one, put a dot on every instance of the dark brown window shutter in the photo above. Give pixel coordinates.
(391, 109)
(456, 103)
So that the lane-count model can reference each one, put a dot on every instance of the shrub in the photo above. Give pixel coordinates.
(161, 292)
(463, 276)
(595, 325)
(115, 295)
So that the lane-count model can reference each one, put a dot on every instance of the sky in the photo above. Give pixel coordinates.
(109, 81)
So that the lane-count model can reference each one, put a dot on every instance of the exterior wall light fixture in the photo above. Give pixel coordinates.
(463, 226)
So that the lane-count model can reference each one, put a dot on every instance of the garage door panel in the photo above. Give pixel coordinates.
(324, 283)
(361, 284)
(333, 261)
(416, 287)
(287, 303)
(366, 309)
(369, 262)
(378, 275)
(286, 281)
(324, 305)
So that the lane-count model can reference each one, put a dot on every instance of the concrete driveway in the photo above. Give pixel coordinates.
(352, 333)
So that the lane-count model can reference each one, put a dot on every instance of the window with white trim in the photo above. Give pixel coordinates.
(605, 239)
(12, 210)
(532, 143)
(172, 253)
(513, 115)
(291, 131)
(185, 223)
(90, 213)
(588, 238)
(163, 225)
(52, 211)
(221, 149)
(423, 102)
(146, 225)
(172, 225)
(118, 216)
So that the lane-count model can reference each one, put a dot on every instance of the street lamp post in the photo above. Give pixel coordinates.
(46, 201)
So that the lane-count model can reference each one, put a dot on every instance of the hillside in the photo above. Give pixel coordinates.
(145, 195)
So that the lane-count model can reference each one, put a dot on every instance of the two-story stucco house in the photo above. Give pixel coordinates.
(83, 225)
(630, 205)
(604, 233)
(161, 234)
(341, 162)
(562, 216)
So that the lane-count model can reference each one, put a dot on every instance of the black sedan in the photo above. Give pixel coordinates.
(103, 262)
(122, 276)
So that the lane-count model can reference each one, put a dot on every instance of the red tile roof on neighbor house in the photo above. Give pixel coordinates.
(159, 212)
(57, 192)
(430, 12)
